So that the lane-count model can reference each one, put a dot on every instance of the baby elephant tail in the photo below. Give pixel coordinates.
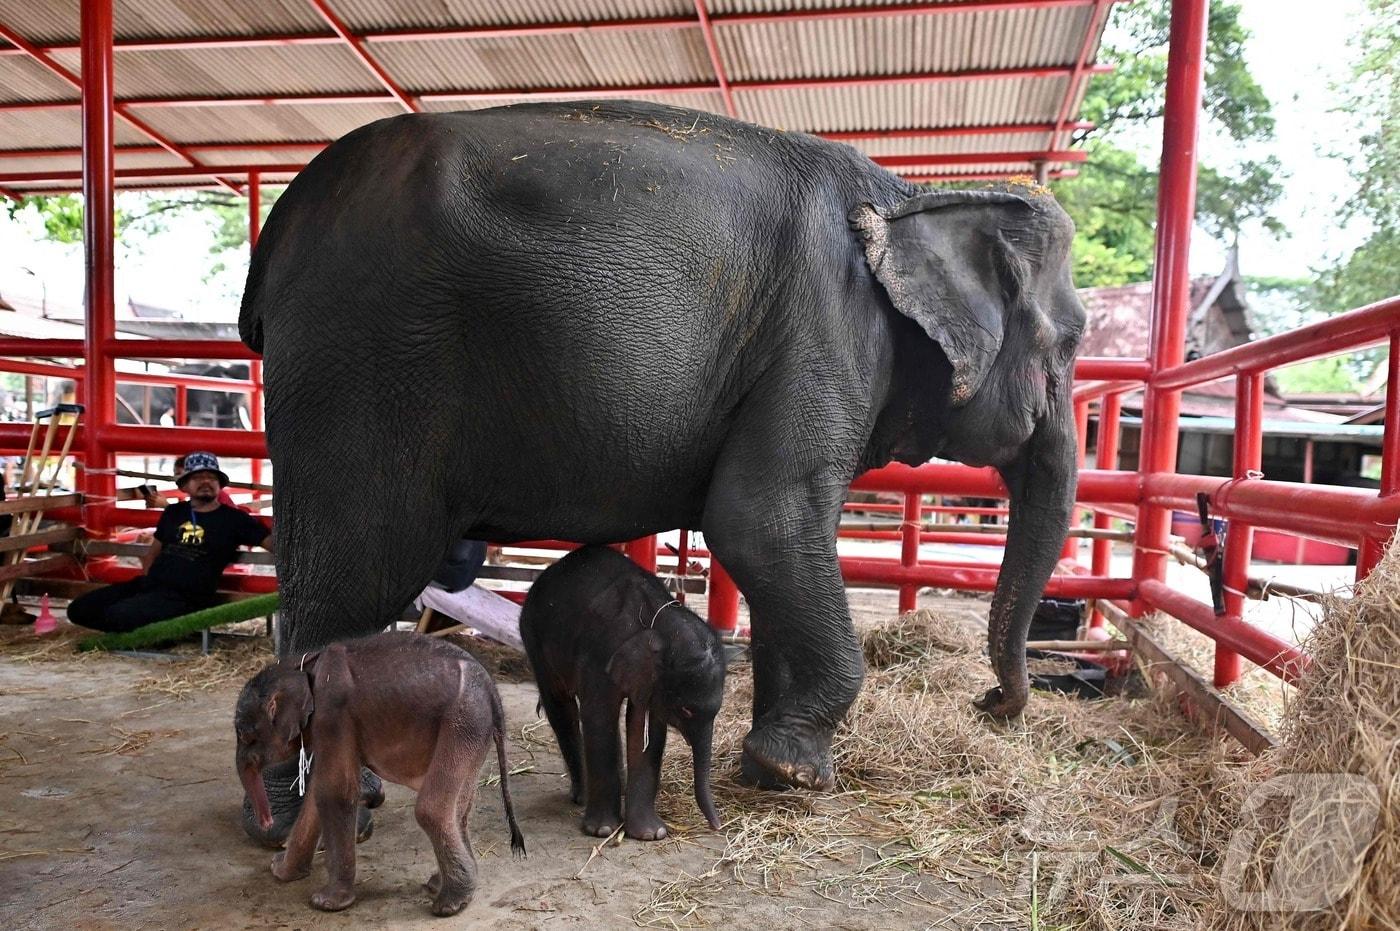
(498, 720)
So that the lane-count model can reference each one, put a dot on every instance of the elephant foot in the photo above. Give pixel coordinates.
(779, 756)
(449, 902)
(333, 898)
(646, 827)
(287, 873)
(997, 704)
(371, 789)
(600, 825)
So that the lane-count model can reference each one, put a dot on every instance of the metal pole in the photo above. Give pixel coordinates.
(99, 388)
(1371, 551)
(1239, 540)
(1309, 452)
(1081, 429)
(723, 600)
(643, 552)
(1105, 457)
(255, 397)
(909, 548)
(1171, 284)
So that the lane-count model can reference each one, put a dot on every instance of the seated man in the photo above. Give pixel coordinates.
(194, 541)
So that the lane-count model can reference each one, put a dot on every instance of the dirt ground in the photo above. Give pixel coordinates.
(121, 811)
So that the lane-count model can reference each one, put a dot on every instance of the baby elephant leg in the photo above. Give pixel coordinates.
(646, 741)
(444, 802)
(336, 785)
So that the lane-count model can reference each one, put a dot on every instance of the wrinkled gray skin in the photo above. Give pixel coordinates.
(599, 629)
(595, 321)
(416, 711)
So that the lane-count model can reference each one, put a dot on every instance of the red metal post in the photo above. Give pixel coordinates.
(182, 406)
(643, 552)
(1372, 550)
(1105, 457)
(1081, 429)
(909, 548)
(716, 61)
(1239, 540)
(724, 600)
(99, 387)
(255, 397)
(1171, 284)
(682, 564)
(1309, 453)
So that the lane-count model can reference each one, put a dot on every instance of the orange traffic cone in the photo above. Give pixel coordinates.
(45, 623)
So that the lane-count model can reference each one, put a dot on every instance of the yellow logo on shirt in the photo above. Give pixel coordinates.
(191, 533)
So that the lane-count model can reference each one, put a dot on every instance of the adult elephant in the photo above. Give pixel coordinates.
(598, 321)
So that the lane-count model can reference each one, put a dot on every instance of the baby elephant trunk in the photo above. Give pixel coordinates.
(251, 774)
(701, 739)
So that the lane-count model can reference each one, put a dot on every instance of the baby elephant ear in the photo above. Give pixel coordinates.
(635, 665)
(944, 262)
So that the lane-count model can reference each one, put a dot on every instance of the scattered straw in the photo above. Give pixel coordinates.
(1331, 839)
(937, 809)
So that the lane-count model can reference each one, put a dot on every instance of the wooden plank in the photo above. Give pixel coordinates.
(1079, 646)
(1212, 709)
(39, 503)
(24, 542)
(35, 566)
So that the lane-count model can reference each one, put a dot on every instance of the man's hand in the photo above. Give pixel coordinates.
(267, 544)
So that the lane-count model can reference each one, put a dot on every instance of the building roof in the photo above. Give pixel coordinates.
(965, 88)
(1119, 322)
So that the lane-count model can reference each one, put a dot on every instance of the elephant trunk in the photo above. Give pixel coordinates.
(251, 774)
(1042, 481)
(701, 740)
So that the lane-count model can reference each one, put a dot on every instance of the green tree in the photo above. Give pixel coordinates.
(1372, 99)
(1114, 199)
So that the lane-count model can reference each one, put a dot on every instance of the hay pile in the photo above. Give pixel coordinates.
(1082, 815)
(1325, 848)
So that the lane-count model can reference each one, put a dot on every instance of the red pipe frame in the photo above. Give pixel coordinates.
(1337, 514)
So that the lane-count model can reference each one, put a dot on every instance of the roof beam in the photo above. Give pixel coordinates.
(716, 62)
(59, 176)
(587, 93)
(1081, 65)
(192, 184)
(357, 48)
(287, 40)
(933, 132)
(45, 60)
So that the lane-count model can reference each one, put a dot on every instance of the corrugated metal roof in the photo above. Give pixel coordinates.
(601, 59)
(326, 69)
(872, 72)
(892, 106)
(265, 123)
(902, 44)
(399, 14)
(24, 79)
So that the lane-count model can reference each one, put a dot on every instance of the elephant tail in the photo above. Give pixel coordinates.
(498, 726)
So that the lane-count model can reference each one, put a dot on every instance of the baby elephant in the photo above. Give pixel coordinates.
(598, 629)
(416, 711)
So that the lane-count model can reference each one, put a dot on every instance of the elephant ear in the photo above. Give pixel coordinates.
(945, 261)
(635, 665)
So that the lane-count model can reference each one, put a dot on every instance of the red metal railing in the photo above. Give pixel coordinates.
(1349, 516)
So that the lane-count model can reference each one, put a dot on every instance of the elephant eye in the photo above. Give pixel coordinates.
(687, 713)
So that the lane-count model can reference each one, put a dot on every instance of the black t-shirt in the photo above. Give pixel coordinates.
(195, 547)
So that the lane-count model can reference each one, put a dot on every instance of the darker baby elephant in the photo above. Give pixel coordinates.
(413, 709)
(598, 629)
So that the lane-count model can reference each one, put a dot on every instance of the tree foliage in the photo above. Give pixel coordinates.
(1114, 199)
(1372, 99)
